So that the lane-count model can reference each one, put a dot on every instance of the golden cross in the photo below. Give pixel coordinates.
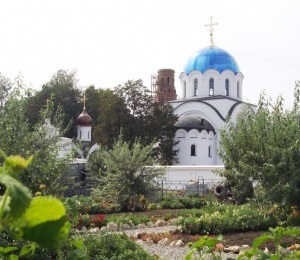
(211, 29)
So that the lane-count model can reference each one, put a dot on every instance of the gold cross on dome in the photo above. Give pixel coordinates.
(211, 29)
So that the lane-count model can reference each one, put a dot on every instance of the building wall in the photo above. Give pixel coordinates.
(192, 173)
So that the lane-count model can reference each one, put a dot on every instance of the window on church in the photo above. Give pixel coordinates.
(211, 87)
(209, 151)
(227, 87)
(88, 135)
(196, 87)
(79, 133)
(184, 89)
(193, 150)
(238, 89)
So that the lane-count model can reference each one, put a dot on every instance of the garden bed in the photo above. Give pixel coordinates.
(231, 239)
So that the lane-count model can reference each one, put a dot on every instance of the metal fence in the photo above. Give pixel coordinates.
(199, 187)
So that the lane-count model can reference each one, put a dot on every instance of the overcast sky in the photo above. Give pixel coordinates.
(110, 42)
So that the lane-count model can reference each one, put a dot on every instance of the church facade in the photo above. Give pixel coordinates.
(210, 93)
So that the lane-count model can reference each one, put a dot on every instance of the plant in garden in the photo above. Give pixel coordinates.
(256, 148)
(41, 220)
(275, 236)
(114, 246)
(207, 247)
(231, 218)
(126, 176)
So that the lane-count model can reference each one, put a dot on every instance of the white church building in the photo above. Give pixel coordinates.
(210, 93)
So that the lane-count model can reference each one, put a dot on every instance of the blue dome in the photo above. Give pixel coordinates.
(211, 58)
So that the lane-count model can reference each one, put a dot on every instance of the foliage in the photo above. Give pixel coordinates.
(206, 247)
(128, 219)
(89, 221)
(28, 218)
(227, 218)
(62, 90)
(263, 147)
(17, 138)
(113, 117)
(182, 202)
(113, 246)
(93, 205)
(126, 176)
(151, 121)
(275, 236)
(5, 87)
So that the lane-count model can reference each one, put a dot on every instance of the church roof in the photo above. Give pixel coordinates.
(211, 57)
(189, 122)
(84, 119)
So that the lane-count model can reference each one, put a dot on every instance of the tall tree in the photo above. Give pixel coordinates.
(152, 122)
(113, 117)
(62, 91)
(263, 147)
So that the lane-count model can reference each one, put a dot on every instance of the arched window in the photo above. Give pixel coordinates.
(209, 151)
(211, 87)
(193, 150)
(196, 87)
(238, 89)
(227, 87)
(168, 80)
(184, 89)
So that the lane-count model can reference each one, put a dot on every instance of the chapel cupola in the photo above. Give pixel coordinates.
(84, 126)
(210, 72)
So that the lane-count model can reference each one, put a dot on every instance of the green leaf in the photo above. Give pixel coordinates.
(28, 250)
(258, 241)
(19, 198)
(46, 222)
(16, 164)
(5, 250)
(78, 243)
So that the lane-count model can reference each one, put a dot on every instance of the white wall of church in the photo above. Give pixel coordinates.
(196, 148)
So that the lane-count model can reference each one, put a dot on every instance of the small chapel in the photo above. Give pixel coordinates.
(210, 93)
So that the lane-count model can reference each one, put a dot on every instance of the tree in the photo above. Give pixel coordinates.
(263, 147)
(113, 117)
(5, 87)
(125, 174)
(152, 121)
(62, 90)
(18, 138)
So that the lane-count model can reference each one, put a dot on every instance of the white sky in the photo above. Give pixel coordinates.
(110, 42)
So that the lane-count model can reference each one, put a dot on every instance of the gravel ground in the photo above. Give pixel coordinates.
(165, 252)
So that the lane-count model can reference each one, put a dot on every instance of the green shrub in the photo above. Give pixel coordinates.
(113, 246)
(183, 202)
(231, 218)
(128, 219)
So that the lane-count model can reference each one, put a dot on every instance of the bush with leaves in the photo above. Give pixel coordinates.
(263, 147)
(125, 175)
(18, 138)
(41, 220)
(114, 246)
